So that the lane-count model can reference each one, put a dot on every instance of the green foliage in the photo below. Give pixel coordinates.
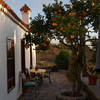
(74, 70)
(70, 24)
(93, 58)
(67, 23)
(62, 59)
(94, 49)
(39, 33)
(91, 71)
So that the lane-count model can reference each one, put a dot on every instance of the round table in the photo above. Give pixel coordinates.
(40, 71)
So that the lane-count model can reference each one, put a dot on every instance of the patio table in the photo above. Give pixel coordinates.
(40, 71)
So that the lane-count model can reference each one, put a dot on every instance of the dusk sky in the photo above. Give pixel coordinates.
(35, 5)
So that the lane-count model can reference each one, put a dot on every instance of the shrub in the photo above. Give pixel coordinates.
(62, 59)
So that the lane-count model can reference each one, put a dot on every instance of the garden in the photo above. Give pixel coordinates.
(73, 24)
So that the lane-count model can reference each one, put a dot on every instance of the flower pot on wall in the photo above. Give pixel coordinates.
(92, 80)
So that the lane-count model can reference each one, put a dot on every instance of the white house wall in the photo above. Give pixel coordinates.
(8, 29)
(27, 58)
(33, 56)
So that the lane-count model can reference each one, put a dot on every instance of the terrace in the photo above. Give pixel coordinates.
(49, 91)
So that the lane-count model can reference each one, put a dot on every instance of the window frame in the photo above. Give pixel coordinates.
(10, 81)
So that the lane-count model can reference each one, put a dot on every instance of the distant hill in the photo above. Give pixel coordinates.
(47, 57)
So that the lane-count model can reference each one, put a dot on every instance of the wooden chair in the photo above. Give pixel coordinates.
(39, 78)
(29, 83)
(48, 75)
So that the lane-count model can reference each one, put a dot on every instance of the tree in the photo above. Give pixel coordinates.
(39, 33)
(70, 24)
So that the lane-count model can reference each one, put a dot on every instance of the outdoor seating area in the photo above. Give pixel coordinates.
(49, 91)
(34, 78)
(52, 53)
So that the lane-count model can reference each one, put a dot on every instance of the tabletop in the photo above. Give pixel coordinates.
(41, 71)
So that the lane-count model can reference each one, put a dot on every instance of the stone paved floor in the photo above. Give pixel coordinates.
(48, 91)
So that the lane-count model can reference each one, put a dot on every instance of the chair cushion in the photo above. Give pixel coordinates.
(29, 84)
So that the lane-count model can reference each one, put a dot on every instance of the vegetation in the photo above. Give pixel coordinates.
(47, 58)
(62, 59)
(70, 24)
(94, 49)
(91, 72)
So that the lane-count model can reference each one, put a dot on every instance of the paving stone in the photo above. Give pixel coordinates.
(48, 91)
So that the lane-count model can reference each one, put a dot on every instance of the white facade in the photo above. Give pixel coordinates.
(26, 16)
(10, 30)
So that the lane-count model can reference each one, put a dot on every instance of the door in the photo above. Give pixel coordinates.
(23, 55)
(30, 57)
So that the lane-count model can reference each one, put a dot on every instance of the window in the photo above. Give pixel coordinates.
(10, 65)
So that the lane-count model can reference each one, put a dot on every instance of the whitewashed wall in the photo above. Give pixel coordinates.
(9, 29)
(33, 56)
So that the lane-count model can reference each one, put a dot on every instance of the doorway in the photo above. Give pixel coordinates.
(23, 55)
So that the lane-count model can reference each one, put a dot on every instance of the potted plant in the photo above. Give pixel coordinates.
(91, 76)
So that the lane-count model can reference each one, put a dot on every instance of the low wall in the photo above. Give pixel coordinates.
(93, 91)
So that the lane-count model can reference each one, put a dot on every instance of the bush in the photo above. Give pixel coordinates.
(62, 59)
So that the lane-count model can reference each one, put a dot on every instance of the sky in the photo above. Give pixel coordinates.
(35, 5)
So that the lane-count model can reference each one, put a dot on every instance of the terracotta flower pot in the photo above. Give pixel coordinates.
(92, 80)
